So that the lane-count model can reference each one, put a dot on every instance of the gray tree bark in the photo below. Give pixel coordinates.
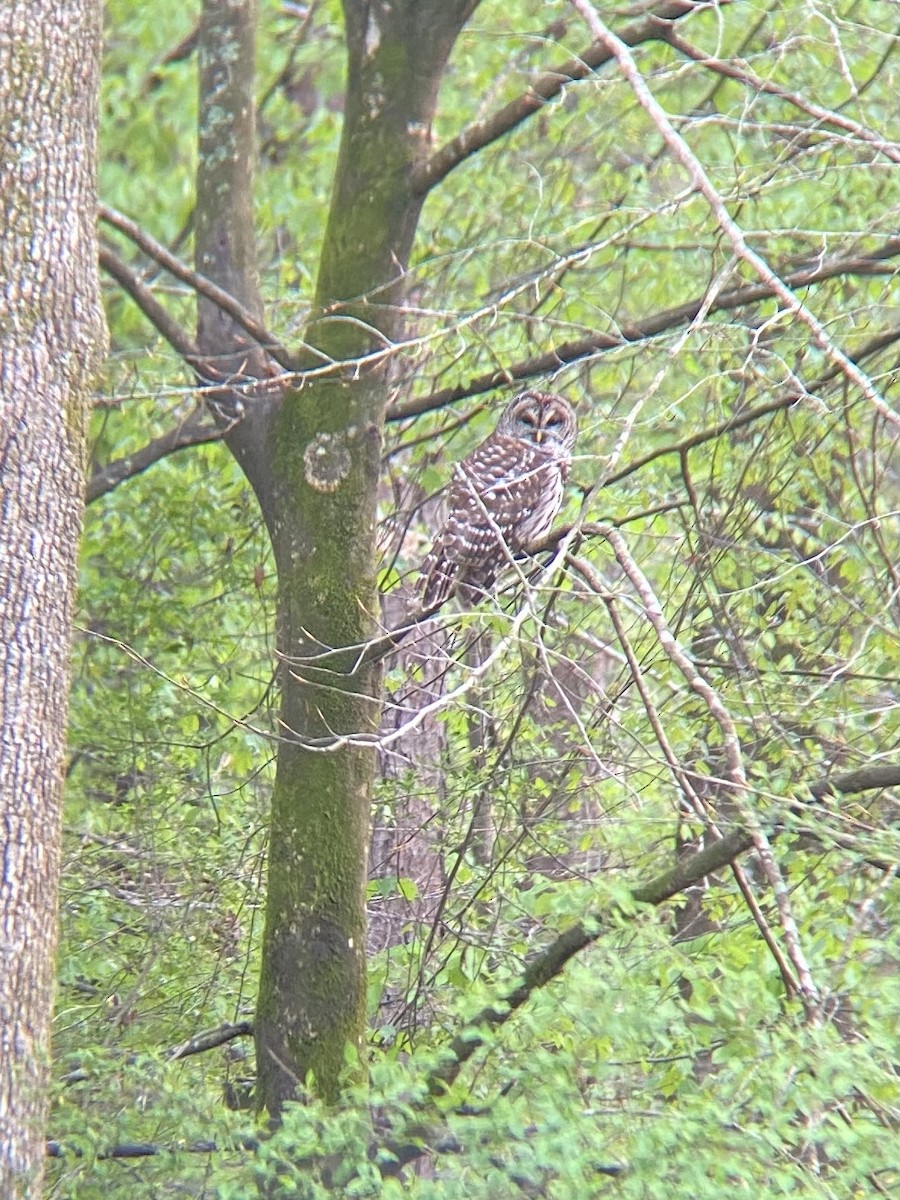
(52, 338)
(325, 455)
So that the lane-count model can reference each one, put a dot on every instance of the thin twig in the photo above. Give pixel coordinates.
(199, 283)
(748, 416)
(734, 767)
(546, 87)
(547, 965)
(757, 84)
(732, 231)
(630, 333)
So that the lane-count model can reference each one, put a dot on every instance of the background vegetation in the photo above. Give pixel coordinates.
(738, 490)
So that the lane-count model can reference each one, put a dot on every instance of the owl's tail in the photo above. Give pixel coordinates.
(438, 577)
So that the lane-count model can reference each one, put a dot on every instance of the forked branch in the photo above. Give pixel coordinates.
(874, 263)
(733, 233)
(547, 965)
(200, 284)
(545, 88)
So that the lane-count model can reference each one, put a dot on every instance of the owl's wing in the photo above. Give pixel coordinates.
(502, 485)
(502, 496)
(485, 505)
(439, 571)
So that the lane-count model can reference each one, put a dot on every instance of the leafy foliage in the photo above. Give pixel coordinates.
(670, 1057)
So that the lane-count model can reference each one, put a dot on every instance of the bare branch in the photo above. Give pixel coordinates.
(872, 263)
(193, 431)
(545, 967)
(57, 1149)
(732, 231)
(687, 872)
(199, 284)
(683, 778)
(739, 788)
(158, 316)
(544, 89)
(550, 962)
(184, 49)
(210, 1038)
(865, 779)
(756, 83)
(748, 416)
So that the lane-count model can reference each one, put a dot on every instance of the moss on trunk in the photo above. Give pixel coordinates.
(326, 451)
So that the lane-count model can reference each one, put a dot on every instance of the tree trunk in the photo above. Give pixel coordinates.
(52, 337)
(225, 234)
(313, 459)
(326, 441)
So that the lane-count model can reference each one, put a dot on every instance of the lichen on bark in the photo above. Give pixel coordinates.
(51, 344)
(326, 451)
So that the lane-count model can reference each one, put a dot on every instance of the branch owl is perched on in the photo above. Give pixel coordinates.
(503, 497)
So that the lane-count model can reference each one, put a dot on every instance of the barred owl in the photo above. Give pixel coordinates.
(503, 497)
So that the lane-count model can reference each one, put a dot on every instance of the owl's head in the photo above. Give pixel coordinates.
(542, 419)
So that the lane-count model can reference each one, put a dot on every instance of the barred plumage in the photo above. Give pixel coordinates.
(503, 497)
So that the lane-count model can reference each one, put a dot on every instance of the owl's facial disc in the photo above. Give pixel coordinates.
(531, 417)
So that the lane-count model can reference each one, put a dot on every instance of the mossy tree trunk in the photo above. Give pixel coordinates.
(52, 339)
(327, 455)
(313, 459)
